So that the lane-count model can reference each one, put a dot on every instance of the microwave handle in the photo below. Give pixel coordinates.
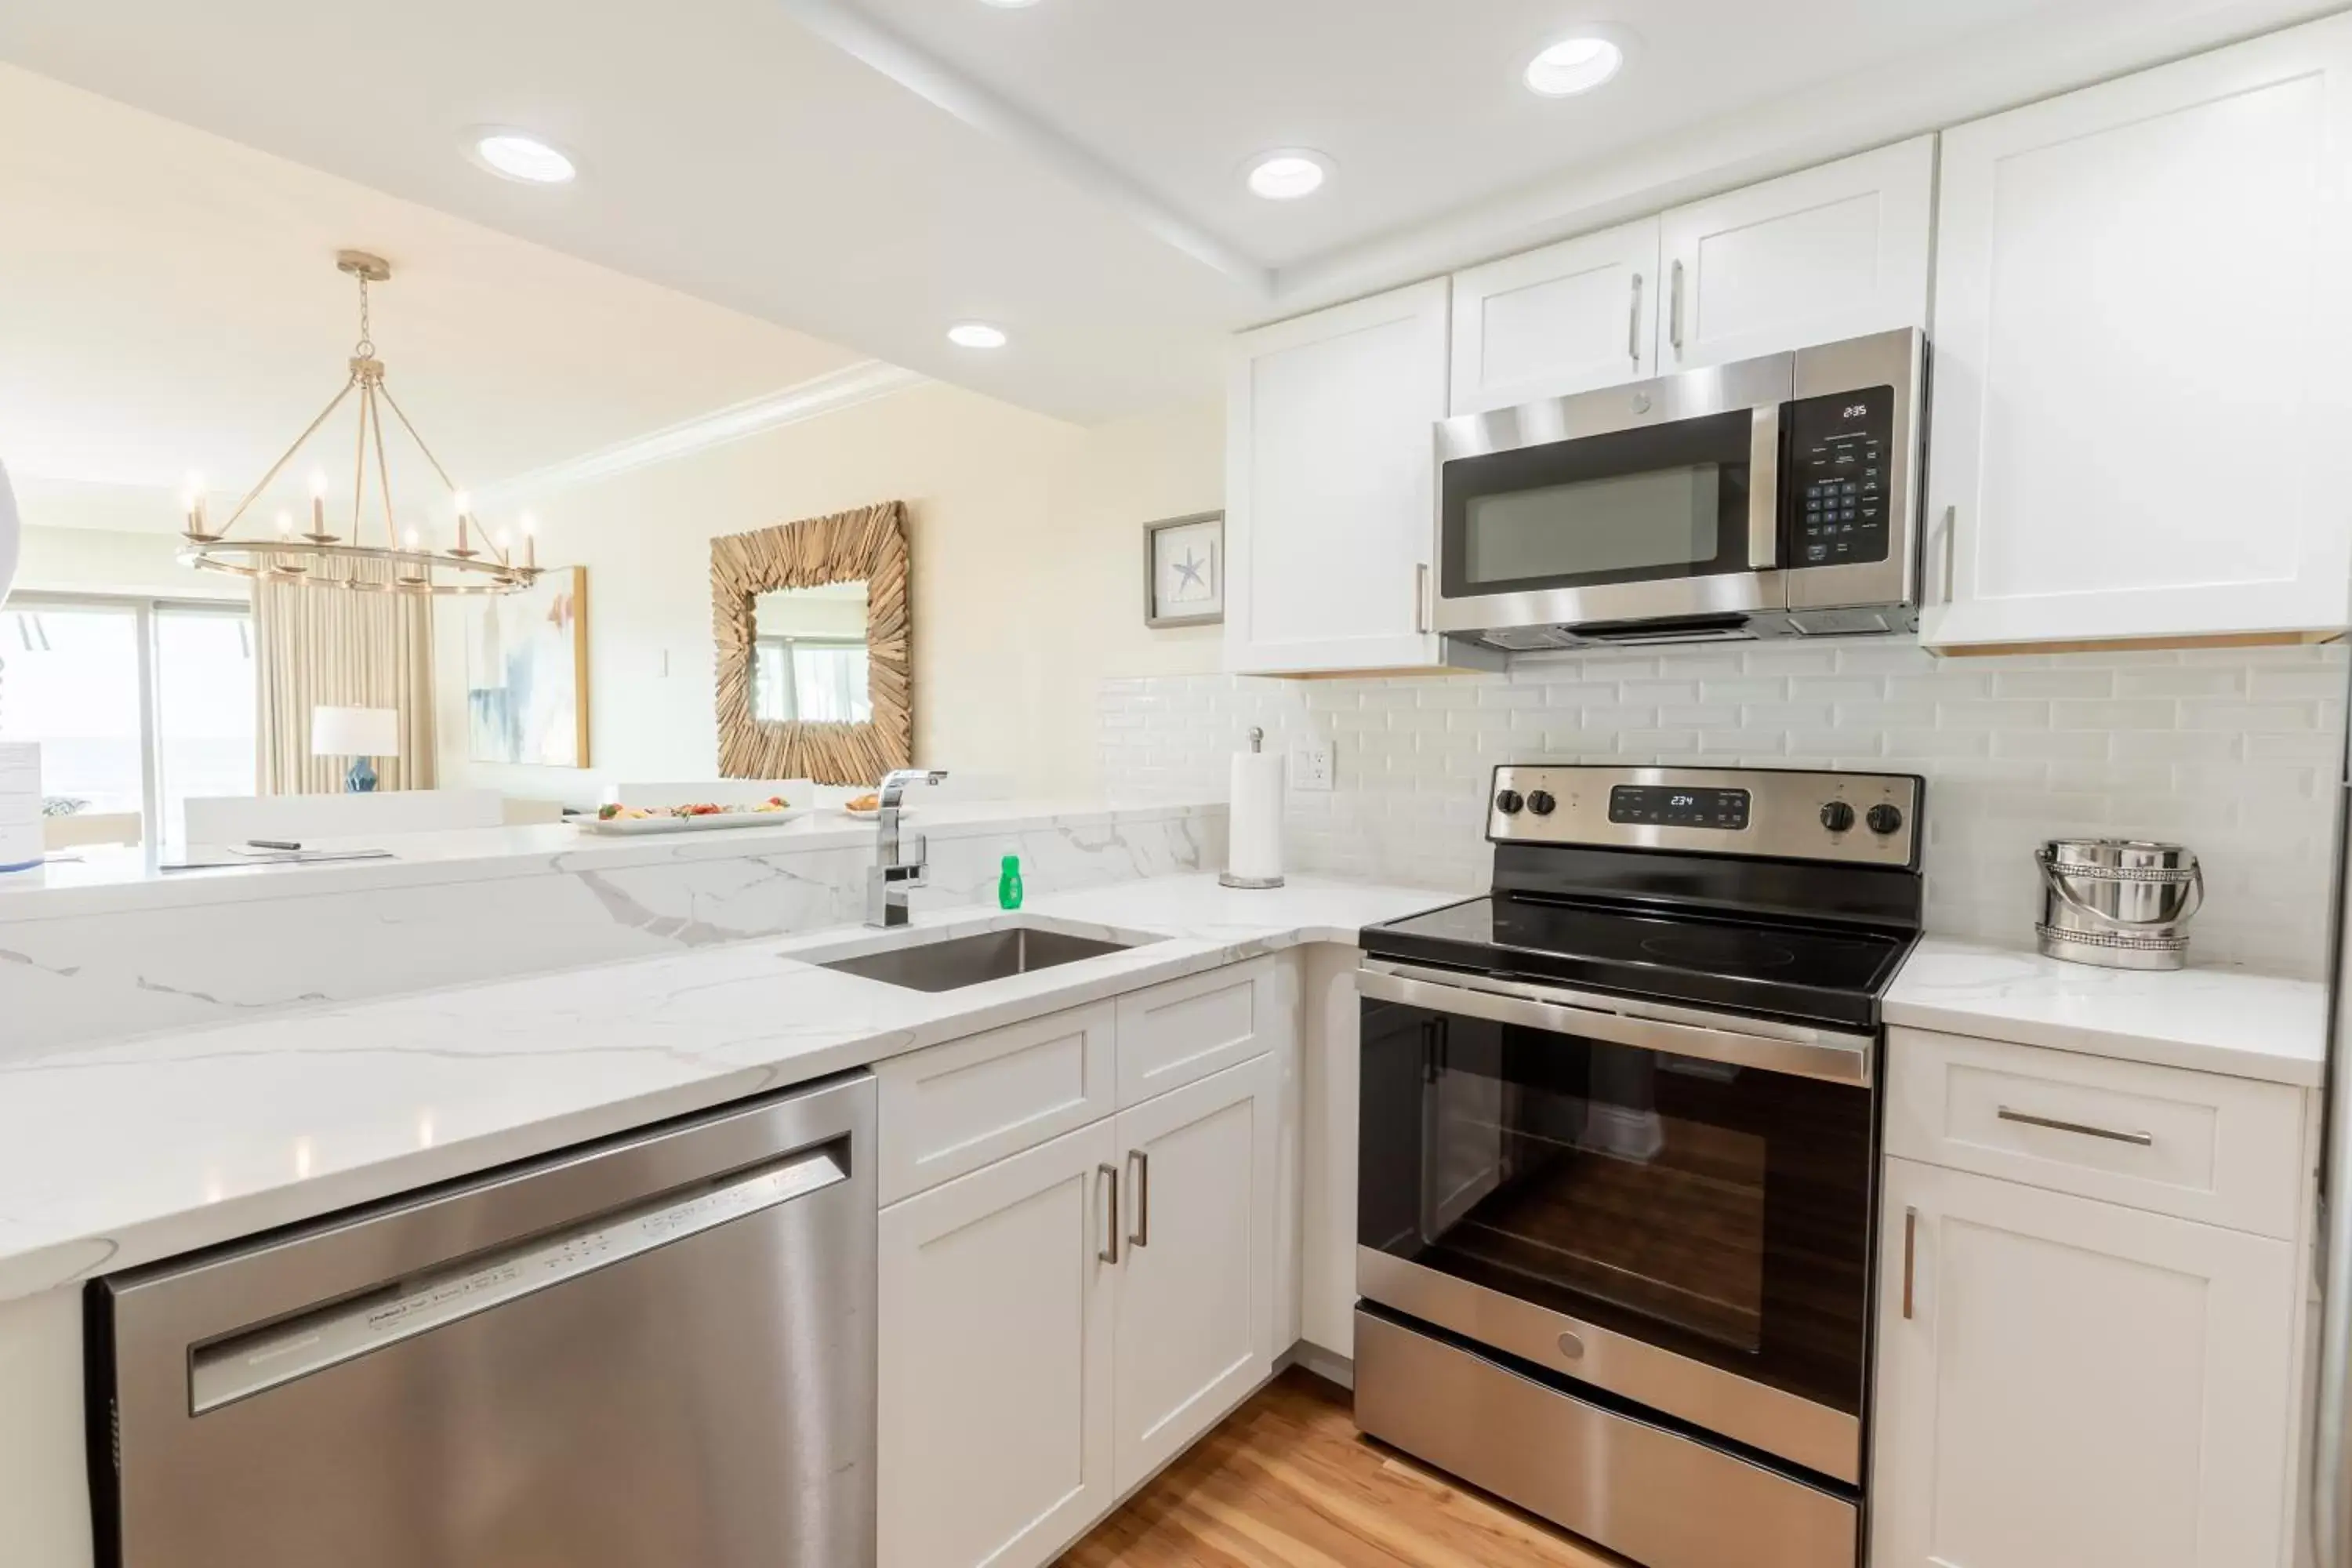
(1764, 489)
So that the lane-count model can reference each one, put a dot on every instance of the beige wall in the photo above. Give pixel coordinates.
(101, 561)
(1026, 545)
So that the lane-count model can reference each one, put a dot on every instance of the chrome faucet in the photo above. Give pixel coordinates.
(886, 883)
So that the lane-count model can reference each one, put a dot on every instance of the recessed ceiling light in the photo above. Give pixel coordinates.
(1287, 175)
(1575, 65)
(518, 156)
(976, 335)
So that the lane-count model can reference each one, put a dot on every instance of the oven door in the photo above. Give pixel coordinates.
(1658, 502)
(1672, 1211)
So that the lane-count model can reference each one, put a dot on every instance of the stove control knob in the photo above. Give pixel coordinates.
(1508, 803)
(1541, 803)
(1884, 819)
(1837, 816)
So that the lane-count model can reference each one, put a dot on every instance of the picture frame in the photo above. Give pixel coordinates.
(1184, 571)
(527, 673)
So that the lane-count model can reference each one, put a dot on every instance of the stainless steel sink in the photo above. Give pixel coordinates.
(962, 961)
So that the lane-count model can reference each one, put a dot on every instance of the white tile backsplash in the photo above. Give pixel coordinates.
(2231, 752)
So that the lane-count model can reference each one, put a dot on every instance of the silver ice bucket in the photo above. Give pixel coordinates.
(2121, 902)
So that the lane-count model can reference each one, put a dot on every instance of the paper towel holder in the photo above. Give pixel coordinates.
(1250, 884)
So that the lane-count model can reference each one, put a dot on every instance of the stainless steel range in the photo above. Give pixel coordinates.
(1618, 1154)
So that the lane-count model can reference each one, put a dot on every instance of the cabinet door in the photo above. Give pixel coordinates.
(1832, 252)
(2139, 407)
(1330, 487)
(2075, 1383)
(1565, 319)
(996, 1375)
(1195, 1287)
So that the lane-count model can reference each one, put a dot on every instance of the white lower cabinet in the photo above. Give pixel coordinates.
(996, 1376)
(2064, 1382)
(1056, 1326)
(1195, 1283)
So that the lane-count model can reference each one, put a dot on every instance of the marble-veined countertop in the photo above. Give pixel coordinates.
(2211, 1020)
(119, 1154)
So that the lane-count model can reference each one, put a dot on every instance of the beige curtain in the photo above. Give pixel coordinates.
(333, 648)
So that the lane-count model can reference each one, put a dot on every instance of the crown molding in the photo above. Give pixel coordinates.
(812, 399)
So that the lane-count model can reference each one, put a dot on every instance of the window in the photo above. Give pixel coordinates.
(814, 680)
(137, 703)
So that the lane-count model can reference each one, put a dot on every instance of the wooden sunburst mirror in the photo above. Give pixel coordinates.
(803, 575)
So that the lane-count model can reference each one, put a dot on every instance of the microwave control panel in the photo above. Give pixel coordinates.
(1838, 476)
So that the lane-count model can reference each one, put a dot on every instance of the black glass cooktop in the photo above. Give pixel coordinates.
(1761, 965)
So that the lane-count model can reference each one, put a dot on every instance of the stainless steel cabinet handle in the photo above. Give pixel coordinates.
(2027, 1118)
(1634, 325)
(1951, 527)
(1110, 1254)
(1139, 1160)
(1674, 311)
(1420, 597)
(1910, 1254)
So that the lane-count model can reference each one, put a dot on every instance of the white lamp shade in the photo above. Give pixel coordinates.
(355, 731)
(8, 532)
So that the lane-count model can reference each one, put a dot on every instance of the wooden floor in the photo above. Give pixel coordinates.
(1287, 1482)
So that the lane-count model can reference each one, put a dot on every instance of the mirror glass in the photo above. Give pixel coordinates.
(809, 665)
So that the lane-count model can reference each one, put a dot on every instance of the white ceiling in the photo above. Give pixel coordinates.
(169, 303)
(869, 170)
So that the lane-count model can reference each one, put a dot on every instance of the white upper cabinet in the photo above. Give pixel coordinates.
(2139, 412)
(1565, 319)
(1330, 487)
(1832, 252)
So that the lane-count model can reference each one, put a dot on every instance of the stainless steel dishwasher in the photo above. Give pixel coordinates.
(654, 1351)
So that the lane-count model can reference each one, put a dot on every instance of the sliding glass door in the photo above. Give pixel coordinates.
(137, 703)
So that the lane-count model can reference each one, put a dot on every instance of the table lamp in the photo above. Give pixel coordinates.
(362, 734)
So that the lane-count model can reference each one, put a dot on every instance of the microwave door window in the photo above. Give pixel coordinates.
(1663, 521)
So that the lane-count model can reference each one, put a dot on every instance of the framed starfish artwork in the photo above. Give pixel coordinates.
(1184, 571)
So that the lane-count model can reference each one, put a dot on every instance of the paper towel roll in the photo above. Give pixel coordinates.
(1254, 848)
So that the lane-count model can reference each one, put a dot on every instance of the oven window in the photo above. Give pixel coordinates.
(1668, 501)
(1716, 1211)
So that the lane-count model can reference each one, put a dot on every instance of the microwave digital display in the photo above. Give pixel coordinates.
(1666, 806)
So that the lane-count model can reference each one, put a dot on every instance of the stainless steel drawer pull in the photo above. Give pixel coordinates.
(1139, 1160)
(1910, 1254)
(1634, 325)
(230, 1369)
(1571, 1347)
(1110, 1252)
(2027, 1118)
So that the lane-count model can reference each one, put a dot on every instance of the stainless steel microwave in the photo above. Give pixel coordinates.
(1772, 497)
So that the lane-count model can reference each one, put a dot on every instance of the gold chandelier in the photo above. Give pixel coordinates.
(404, 561)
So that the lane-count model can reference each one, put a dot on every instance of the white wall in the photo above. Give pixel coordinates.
(1026, 541)
(2231, 752)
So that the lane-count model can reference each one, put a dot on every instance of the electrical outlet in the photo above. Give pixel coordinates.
(1311, 766)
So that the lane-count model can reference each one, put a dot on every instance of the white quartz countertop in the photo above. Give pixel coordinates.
(105, 879)
(119, 1154)
(2211, 1020)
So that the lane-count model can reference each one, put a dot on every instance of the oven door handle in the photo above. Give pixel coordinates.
(1848, 1063)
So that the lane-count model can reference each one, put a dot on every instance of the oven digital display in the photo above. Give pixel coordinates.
(1667, 806)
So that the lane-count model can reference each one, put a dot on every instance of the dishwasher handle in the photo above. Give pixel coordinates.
(242, 1364)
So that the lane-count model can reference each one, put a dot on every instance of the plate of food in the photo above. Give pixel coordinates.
(632, 821)
(868, 806)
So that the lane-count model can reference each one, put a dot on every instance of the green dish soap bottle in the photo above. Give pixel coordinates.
(1008, 883)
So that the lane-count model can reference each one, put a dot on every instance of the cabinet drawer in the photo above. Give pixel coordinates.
(1179, 1033)
(2226, 1151)
(957, 1107)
